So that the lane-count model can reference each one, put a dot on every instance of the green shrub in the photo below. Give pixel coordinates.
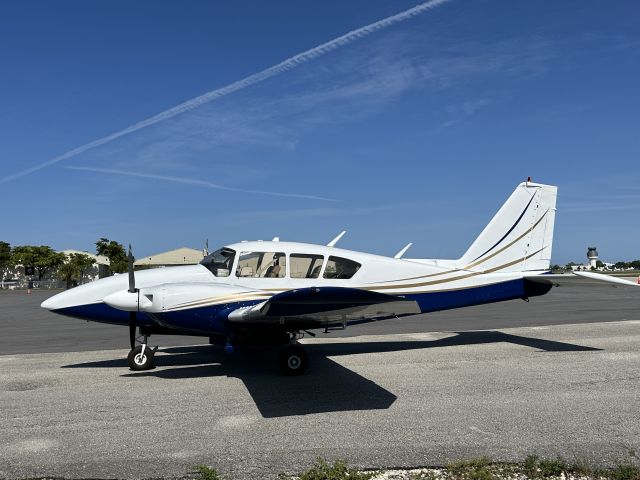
(530, 466)
(584, 467)
(207, 473)
(553, 467)
(625, 471)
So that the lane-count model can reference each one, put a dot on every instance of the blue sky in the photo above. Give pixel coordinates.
(415, 132)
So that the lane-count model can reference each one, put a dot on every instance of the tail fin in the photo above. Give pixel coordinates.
(520, 236)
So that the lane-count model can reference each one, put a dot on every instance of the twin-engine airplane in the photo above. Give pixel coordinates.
(271, 293)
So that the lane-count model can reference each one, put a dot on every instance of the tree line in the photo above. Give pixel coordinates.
(70, 268)
(633, 265)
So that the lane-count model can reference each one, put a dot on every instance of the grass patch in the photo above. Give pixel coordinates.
(322, 470)
(206, 472)
(584, 467)
(530, 465)
(475, 469)
(536, 467)
(625, 471)
(552, 467)
(533, 467)
(428, 475)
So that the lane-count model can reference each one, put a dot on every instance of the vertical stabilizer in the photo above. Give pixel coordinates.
(519, 238)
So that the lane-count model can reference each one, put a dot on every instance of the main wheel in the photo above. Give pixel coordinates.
(141, 361)
(293, 360)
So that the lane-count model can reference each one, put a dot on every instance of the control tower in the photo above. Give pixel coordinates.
(592, 255)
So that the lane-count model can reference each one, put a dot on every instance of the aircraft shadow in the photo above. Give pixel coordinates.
(326, 387)
(460, 339)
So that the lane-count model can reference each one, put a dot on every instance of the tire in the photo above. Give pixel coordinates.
(138, 362)
(293, 360)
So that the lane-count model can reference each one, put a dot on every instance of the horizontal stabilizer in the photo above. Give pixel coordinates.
(580, 279)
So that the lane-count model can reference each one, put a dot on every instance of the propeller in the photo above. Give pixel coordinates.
(132, 289)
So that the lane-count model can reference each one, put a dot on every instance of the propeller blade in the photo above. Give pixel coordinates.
(132, 279)
(132, 289)
(132, 329)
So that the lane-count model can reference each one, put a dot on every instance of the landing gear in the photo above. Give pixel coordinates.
(293, 360)
(142, 357)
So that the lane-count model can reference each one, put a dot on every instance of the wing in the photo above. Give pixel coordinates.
(324, 306)
(581, 279)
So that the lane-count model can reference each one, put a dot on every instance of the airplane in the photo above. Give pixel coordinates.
(272, 293)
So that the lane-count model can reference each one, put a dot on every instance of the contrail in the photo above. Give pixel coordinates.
(284, 66)
(197, 182)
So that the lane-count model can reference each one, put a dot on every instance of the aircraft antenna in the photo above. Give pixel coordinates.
(333, 242)
(403, 251)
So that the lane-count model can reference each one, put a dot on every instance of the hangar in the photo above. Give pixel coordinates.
(179, 256)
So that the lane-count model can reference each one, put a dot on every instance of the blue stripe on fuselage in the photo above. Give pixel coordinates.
(212, 319)
(207, 320)
(103, 313)
(497, 292)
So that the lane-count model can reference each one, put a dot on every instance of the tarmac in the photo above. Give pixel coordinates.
(556, 376)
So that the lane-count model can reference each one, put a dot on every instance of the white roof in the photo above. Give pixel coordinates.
(179, 256)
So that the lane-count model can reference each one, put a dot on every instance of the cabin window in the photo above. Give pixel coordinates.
(338, 267)
(261, 265)
(305, 266)
(220, 262)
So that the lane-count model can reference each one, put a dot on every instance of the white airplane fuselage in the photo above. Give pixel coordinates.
(205, 299)
(192, 298)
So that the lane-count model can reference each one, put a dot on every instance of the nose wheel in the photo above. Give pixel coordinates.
(293, 360)
(141, 357)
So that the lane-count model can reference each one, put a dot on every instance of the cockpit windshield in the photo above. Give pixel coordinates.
(220, 262)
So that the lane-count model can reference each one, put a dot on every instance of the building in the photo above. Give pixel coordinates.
(99, 270)
(16, 277)
(172, 258)
(592, 255)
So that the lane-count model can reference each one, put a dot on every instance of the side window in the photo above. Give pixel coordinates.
(338, 267)
(305, 266)
(262, 265)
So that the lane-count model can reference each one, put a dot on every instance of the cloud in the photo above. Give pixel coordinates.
(282, 67)
(348, 88)
(460, 112)
(196, 182)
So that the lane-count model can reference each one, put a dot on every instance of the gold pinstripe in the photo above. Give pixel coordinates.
(267, 293)
(249, 296)
(453, 279)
